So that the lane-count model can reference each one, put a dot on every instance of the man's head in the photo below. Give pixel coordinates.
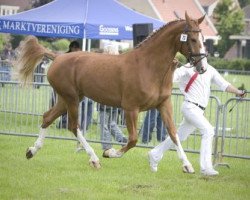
(74, 46)
(111, 49)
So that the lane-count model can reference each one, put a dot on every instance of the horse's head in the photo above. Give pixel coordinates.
(192, 44)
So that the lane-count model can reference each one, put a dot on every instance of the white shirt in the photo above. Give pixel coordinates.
(199, 91)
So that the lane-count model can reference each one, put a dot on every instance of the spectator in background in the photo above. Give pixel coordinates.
(109, 117)
(8, 53)
(109, 128)
(74, 46)
(151, 121)
(40, 72)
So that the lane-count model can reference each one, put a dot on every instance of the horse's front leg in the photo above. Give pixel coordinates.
(73, 127)
(94, 160)
(131, 122)
(156, 154)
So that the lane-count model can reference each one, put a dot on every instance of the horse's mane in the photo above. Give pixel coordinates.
(158, 32)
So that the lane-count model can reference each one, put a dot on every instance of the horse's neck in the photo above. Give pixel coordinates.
(164, 46)
(159, 51)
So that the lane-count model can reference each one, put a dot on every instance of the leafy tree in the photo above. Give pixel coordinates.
(38, 3)
(15, 40)
(229, 21)
(2, 41)
(244, 3)
(61, 45)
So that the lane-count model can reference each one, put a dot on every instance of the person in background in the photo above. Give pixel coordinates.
(196, 90)
(8, 54)
(74, 46)
(109, 117)
(39, 73)
(151, 121)
(109, 128)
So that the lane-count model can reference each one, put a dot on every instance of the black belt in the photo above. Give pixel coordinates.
(201, 107)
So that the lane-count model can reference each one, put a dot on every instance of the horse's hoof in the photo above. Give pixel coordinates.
(105, 154)
(29, 153)
(188, 169)
(112, 153)
(95, 164)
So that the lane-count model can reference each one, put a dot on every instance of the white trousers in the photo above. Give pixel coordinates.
(192, 118)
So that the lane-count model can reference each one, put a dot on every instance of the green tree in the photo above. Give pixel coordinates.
(229, 21)
(38, 3)
(244, 3)
(61, 45)
(2, 42)
(15, 40)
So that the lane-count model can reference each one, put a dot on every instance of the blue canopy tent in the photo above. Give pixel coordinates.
(88, 19)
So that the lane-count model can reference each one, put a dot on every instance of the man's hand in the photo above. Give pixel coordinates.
(175, 63)
(242, 93)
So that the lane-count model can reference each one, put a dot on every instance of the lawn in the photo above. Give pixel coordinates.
(57, 172)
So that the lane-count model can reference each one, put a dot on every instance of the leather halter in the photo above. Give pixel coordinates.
(191, 55)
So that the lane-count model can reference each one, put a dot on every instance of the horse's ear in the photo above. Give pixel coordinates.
(201, 19)
(187, 17)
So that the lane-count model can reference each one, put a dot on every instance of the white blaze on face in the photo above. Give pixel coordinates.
(203, 51)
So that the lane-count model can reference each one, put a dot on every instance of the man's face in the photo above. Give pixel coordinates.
(75, 49)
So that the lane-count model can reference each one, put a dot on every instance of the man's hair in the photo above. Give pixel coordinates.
(74, 44)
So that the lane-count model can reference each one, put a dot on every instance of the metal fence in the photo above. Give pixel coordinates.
(235, 134)
(21, 112)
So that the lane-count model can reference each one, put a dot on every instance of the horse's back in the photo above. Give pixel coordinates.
(97, 76)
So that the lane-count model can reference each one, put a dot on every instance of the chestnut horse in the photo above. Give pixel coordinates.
(136, 81)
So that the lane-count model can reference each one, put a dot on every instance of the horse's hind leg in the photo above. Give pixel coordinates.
(167, 116)
(73, 127)
(48, 118)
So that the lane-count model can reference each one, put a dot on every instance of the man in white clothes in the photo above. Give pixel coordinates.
(196, 91)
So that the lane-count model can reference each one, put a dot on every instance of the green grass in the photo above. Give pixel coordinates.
(57, 172)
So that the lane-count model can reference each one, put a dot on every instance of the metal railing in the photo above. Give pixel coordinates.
(235, 136)
(21, 111)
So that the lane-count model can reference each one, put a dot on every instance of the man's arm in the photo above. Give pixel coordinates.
(226, 86)
(232, 89)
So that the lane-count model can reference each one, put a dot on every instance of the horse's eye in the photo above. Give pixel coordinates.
(193, 40)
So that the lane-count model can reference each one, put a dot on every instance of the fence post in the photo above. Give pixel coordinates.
(217, 123)
(220, 154)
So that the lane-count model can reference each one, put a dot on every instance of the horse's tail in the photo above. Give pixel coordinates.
(30, 53)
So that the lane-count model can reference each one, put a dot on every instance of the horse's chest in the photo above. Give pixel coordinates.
(164, 95)
(165, 91)
(159, 97)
